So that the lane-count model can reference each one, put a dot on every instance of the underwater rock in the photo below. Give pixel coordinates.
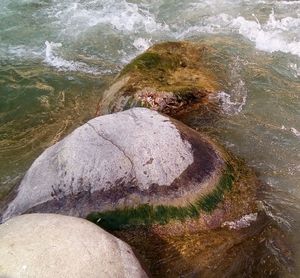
(170, 77)
(49, 245)
(137, 162)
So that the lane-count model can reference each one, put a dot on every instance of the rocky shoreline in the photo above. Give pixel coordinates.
(174, 194)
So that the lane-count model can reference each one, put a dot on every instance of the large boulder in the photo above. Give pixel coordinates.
(48, 245)
(172, 193)
(135, 163)
(138, 168)
(170, 77)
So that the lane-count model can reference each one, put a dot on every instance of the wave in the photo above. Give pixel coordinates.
(119, 15)
(52, 59)
(119, 30)
(271, 36)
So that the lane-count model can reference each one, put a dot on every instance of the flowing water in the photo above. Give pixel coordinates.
(57, 56)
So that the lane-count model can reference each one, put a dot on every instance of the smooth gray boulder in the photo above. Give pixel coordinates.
(56, 246)
(134, 157)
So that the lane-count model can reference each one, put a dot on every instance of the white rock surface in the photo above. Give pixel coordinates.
(56, 246)
(138, 146)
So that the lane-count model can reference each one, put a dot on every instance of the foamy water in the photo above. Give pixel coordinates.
(295, 131)
(296, 69)
(244, 222)
(54, 60)
(233, 101)
(85, 27)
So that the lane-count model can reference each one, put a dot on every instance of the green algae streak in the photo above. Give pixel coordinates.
(148, 214)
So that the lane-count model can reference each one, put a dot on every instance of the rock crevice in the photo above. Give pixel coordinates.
(114, 144)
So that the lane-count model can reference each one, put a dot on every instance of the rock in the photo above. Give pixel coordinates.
(48, 245)
(170, 77)
(136, 168)
(157, 184)
(137, 159)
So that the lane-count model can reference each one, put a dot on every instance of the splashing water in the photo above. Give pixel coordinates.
(61, 64)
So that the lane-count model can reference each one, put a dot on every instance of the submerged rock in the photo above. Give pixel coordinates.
(170, 77)
(48, 245)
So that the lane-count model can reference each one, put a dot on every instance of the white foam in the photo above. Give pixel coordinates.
(292, 129)
(142, 44)
(273, 35)
(233, 102)
(52, 59)
(295, 132)
(211, 25)
(244, 222)
(287, 2)
(229, 106)
(119, 15)
(295, 69)
(131, 23)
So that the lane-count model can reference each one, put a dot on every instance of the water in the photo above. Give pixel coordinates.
(57, 56)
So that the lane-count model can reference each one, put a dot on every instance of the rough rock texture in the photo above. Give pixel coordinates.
(171, 77)
(48, 245)
(118, 161)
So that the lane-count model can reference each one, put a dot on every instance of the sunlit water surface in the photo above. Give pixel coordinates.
(57, 56)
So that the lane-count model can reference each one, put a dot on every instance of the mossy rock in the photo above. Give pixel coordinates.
(147, 214)
(170, 77)
(208, 236)
(229, 195)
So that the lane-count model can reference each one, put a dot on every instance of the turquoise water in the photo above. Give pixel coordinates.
(57, 56)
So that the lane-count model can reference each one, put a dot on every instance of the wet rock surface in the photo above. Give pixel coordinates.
(120, 161)
(170, 77)
(259, 250)
(48, 245)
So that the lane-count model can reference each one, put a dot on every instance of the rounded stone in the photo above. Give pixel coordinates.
(170, 77)
(48, 245)
(123, 160)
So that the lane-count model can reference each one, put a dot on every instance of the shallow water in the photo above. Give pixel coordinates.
(57, 56)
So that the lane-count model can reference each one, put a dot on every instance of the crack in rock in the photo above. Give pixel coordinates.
(132, 170)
